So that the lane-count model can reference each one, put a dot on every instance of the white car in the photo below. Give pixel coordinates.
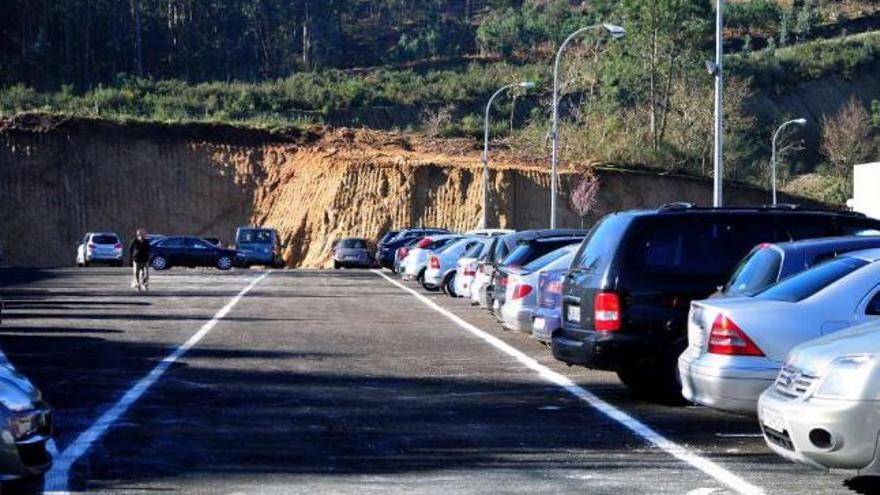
(99, 247)
(822, 410)
(737, 346)
(416, 262)
(443, 263)
(466, 270)
(521, 296)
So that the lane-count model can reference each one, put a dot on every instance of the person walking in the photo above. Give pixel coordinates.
(139, 252)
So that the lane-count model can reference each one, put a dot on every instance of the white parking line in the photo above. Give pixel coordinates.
(58, 478)
(712, 469)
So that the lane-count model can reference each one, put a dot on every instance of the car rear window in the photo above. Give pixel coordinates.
(353, 244)
(105, 239)
(255, 236)
(388, 236)
(474, 251)
(440, 243)
(545, 260)
(809, 282)
(526, 252)
(759, 270)
(601, 243)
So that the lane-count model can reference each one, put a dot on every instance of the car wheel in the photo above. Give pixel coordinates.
(637, 379)
(224, 263)
(336, 265)
(159, 263)
(669, 382)
(449, 285)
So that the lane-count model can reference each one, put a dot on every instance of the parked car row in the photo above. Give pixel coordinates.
(253, 246)
(772, 312)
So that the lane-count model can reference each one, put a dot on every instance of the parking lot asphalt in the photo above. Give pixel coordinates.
(342, 382)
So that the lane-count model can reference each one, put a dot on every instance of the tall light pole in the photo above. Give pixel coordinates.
(616, 32)
(800, 122)
(718, 193)
(525, 84)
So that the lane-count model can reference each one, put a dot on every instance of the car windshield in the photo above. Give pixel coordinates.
(352, 244)
(255, 236)
(440, 243)
(105, 239)
(546, 259)
(755, 273)
(809, 282)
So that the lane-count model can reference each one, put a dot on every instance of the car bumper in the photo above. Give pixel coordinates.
(97, 257)
(731, 384)
(27, 456)
(597, 350)
(433, 278)
(357, 262)
(854, 427)
(544, 324)
(517, 317)
(462, 286)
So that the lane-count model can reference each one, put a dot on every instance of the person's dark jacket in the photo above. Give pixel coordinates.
(139, 250)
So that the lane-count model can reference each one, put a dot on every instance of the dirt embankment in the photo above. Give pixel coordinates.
(60, 181)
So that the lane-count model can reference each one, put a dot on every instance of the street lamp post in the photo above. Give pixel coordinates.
(800, 122)
(717, 197)
(525, 84)
(616, 32)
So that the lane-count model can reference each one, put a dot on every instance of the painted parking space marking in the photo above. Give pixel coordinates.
(58, 478)
(725, 477)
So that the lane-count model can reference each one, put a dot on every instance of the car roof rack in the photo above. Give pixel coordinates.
(782, 206)
(677, 206)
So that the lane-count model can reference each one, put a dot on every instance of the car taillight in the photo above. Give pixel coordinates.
(728, 339)
(470, 270)
(117, 246)
(502, 281)
(91, 246)
(434, 262)
(402, 252)
(606, 312)
(521, 290)
(424, 243)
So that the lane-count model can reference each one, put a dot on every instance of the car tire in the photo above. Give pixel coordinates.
(224, 263)
(668, 388)
(336, 265)
(449, 285)
(420, 278)
(637, 379)
(159, 263)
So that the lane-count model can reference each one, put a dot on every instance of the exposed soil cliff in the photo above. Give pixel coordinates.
(58, 181)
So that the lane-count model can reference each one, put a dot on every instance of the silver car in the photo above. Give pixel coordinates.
(521, 298)
(822, 410)
(26, 421)
(349, 253)
(737, 346)
(443, 263)
(99, 247)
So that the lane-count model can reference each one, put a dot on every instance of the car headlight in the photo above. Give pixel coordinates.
(846, 377)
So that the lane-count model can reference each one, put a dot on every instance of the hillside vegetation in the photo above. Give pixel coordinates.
(429, 66)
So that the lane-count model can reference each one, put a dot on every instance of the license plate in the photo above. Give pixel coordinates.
(539, 324)
(573, 313)
(772, 419)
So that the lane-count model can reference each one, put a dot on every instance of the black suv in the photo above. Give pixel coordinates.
(627, 296)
